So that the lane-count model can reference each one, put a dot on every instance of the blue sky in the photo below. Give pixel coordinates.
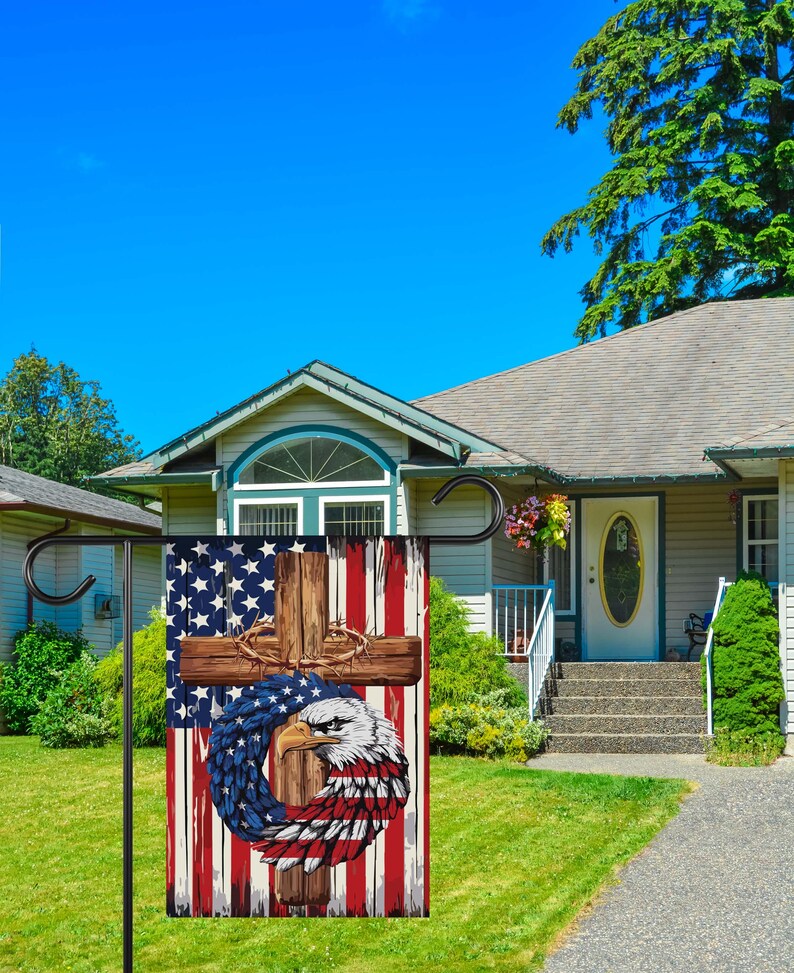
(196, 197)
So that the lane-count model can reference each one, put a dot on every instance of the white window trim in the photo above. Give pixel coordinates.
(374, 498)
(566, 612)
(315, 484)
(746, 542)
(264, 502)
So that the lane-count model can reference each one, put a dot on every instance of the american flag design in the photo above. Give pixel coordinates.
(227, 835)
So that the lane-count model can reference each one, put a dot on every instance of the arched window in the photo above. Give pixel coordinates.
(313, 461)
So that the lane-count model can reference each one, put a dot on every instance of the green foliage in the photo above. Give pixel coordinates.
(748, 686)
(54, 424)
(42, 652)
(735, 748)
(486, 729)
(699, 201)
(74, 712)
(148, 661)
(463, 665)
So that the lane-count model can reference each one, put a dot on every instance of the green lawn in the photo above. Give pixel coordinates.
(516, 853)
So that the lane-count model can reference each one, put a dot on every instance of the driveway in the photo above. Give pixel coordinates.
(712, 893)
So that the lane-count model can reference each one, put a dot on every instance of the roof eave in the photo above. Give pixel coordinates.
(76, 515)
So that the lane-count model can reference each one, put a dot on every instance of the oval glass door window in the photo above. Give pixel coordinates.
(621, 570)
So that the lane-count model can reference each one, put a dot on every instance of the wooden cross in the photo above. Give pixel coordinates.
(301, 640)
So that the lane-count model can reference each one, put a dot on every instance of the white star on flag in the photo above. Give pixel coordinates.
(251, 602)
(169, 548)
(182, 602)
(169, 655)
(200, 548)
(200, 692)
(235, 548)
(169, 585)
(235, 584)
(282, 708)
(315, 691)
(180, 566)
(217, 602)
(298, 548)
(267, 549)
(235, 620)
(169, 692)
(200, 584)
(266, 584)
(252, 567)
(235, 692)
(181, 711)
(201, 620)
(217, 566)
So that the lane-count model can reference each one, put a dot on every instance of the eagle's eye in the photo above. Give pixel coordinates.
(330, 728)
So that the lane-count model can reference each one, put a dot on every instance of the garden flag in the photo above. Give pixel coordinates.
(297, 761)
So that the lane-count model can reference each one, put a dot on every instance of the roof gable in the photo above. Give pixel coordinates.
(439, 434)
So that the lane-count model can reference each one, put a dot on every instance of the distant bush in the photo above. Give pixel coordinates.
(148, 680)
(748, 685)
(42, 652)
(464, 665)
(733, 748)
(486, 729)
(74, 714)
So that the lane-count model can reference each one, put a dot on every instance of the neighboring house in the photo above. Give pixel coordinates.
(31, 506)
(646, 431)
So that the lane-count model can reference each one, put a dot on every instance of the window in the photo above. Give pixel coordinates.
(275, 519)
(313, 460)
(559, 566)
(760, 534)
(353, 517)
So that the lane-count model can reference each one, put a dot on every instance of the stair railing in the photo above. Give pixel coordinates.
(541, 651)
(708, 656)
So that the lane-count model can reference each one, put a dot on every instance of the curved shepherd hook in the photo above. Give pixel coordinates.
(472, 479)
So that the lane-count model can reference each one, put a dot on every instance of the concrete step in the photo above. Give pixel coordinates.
(624, 705)
(635, 725)
(676, 687)
(624, 743)
(626, 670)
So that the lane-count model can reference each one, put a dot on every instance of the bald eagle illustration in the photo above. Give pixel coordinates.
(367, 785)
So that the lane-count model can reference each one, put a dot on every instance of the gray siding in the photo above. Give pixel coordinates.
(465, 569)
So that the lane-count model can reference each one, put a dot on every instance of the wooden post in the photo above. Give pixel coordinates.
(301, 621)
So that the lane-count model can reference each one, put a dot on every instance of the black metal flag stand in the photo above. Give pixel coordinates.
(129, 543)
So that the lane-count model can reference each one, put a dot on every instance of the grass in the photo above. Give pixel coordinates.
(516, 854)
(737, 748)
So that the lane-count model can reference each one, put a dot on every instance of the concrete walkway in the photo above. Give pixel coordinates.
(712, 893)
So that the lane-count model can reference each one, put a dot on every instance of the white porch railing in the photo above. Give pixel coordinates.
(707, 655)
(524, 624)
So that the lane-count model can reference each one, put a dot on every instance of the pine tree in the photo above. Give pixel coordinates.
(699, 202)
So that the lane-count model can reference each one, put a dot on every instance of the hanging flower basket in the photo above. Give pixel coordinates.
(539, 523)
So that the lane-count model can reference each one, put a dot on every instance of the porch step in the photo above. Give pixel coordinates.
(624, 707)
(628, 705)
(621, 687)
(624, 743)
(634, 724)
(626, 670)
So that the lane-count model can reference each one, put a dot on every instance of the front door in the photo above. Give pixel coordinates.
(619, 571)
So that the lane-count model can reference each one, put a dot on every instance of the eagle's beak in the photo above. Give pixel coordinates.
(299, 737)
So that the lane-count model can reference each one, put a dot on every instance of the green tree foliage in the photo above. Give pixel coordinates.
(55, 425)
(463, 665)
(148, 661)
(748, 685)
(42, 653)
(699, 203)
(74, 712)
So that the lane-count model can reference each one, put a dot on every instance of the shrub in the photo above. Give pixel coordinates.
(486, 729)
(733, 748)
(748, 686)
(41, 653)
(74, 712)
(148, 680)
(463, 664)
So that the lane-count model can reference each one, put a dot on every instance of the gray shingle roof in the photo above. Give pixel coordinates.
(644, 402)
(40, 494)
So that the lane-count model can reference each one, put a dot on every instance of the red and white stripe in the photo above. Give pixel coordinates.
(211, 872)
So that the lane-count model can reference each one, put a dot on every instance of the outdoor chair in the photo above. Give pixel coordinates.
(697, 628)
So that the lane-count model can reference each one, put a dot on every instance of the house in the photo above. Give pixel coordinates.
(647, 432)
(31, 506)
